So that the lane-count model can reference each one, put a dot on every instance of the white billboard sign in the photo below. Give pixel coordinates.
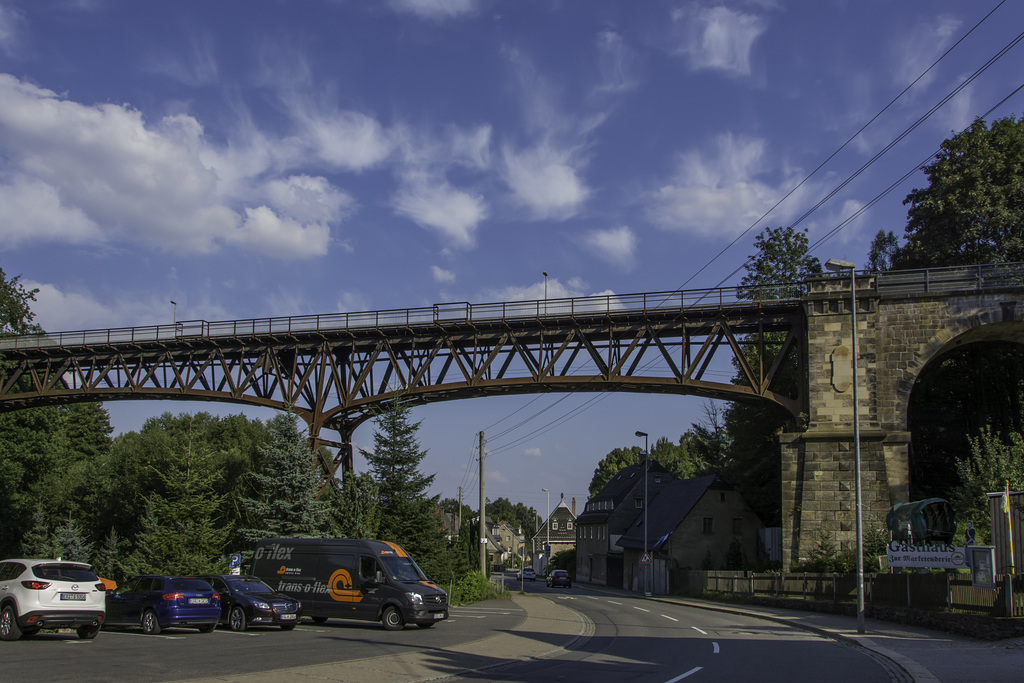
(931, 556)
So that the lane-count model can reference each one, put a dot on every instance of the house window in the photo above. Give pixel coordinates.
(568, 526)
(657, 478)
(638, 502)
(721, 497)
(709, 525)
(737, 526)
(554, 526)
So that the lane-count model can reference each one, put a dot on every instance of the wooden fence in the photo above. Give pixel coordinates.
(936, 592)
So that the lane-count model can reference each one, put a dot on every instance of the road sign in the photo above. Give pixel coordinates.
(646, 559)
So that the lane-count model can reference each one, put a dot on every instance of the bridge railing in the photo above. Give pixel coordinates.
(953, 279)
(438, 314)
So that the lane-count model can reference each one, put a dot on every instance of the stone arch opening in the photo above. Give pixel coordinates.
(971, 381)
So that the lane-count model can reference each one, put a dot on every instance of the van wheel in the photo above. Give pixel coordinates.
(236, 620)
(150, 624)
(9, 624)
(208, 628)
(392, 619)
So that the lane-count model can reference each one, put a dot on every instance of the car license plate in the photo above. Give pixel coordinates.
(439, 615)
(72, 596)
(287, 617)
(199, 601)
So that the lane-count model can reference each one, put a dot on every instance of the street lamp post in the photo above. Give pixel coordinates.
(647, 458)
(837, 265)
(547, 529)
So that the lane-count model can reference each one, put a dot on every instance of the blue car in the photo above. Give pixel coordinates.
(157, 602)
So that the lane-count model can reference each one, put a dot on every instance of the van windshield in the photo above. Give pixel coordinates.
(402, 568)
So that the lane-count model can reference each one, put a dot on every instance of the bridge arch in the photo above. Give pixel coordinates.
(906, 320)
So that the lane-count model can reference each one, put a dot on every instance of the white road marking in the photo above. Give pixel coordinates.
(698, 630)
(641, 609)
(685, 675)
(614, 603)
(670, 618)
(144, 635)
(715, 650)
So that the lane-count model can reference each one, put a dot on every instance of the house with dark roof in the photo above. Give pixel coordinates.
(606, 517)
(692, 523)
(558, 530)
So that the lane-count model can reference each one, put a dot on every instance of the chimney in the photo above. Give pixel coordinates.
(574, 506)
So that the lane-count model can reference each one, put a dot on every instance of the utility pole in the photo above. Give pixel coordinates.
(460, 509)
(483, 513)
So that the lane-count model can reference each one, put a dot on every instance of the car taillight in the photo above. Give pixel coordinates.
(173, 596)
(216, 596)
(35, 585)
(100, 587)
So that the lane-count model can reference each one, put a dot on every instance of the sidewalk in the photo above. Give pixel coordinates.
(926, 656)
(547, 629)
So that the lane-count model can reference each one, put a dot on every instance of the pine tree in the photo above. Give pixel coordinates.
(285, 488)
(407, 516)
(70, 544)
(38, 542)
(354, 511)
(180, 534)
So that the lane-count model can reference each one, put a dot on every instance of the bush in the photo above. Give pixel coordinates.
(474, 587)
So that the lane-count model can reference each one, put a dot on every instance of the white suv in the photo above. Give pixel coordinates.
(37, 594)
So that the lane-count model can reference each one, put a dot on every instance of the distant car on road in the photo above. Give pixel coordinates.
(156, 602)
(526, 574)
(559, 577)
(246, 601)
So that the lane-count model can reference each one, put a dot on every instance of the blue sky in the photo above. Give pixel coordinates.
(267, 158)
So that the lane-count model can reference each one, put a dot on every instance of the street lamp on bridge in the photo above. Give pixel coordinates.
(838, 266)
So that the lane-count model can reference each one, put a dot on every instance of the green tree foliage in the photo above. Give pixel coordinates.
(284, 498)
(782, 262)
(180, 533)
(610, 464)
(407, 515)
(38, 542)
(108, 556)
(993, 461)
(353, 509)
(883, 252)
(70, 544)
(16, 314)
(973, 208)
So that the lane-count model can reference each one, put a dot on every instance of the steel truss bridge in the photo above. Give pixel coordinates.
(335, 370)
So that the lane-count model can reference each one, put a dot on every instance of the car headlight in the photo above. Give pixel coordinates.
(415, 598)
(258, 604)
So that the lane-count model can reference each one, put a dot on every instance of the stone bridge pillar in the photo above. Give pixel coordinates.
(818, 464)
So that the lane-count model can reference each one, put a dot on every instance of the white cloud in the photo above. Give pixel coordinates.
(61, 310)
(441, 275)
(345, 139)
(719, 38)
(545, 181)
(435, 9)
(31, 210)
(614, 63)
(720, 195)
(615, 245)
(532, 452)
(10, 18)
(434, 203)
(309, 199)
(265, 231)
(554, 289)
(917, 50)
(101, 174)
(199, 67)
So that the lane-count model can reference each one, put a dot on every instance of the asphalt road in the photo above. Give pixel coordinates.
(181, 654)
(633, 639)
(625, 638)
